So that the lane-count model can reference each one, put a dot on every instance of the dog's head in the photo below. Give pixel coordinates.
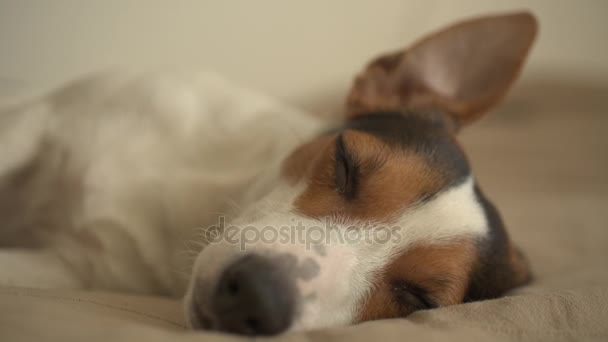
(382, 216)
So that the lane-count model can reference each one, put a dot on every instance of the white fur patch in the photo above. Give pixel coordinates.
(145, 160)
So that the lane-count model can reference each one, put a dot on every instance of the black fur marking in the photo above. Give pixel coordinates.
(425, 134)
(346, 171)
(493, 276)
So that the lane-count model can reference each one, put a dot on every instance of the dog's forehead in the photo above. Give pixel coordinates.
(402, 159)
(426, 134)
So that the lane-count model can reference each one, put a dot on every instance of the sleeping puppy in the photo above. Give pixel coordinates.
(114, 181)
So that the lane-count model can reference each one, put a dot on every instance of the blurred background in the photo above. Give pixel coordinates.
(542, 157)
(304, 52)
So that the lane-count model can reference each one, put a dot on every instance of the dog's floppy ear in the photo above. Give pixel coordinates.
(463, 70)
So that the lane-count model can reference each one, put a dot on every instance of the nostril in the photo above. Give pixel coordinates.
(233, 287)
(254, 297)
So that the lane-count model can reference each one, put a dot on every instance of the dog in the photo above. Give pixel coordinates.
(115, 181)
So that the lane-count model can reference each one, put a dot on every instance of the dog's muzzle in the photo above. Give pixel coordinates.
(254, 296)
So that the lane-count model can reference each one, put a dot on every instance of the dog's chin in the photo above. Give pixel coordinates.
(195, 318)
(200, 321)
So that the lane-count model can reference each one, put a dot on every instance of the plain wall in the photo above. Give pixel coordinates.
(305, 52)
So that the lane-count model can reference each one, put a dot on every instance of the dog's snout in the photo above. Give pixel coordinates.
(254, 297)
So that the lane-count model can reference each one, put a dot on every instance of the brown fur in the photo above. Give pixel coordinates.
(519, 266)
(442, 270)
(391, 179)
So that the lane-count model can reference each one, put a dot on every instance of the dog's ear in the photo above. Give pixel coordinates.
(463, 70)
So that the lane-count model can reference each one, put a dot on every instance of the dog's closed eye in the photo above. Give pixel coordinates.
(411, 295)
(346, 170)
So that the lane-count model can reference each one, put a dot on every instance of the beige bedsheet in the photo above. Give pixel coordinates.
(543, 158)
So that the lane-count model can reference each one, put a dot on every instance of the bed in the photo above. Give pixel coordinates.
(542, 158)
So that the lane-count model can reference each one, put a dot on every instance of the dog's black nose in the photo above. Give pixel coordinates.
(254, 297)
